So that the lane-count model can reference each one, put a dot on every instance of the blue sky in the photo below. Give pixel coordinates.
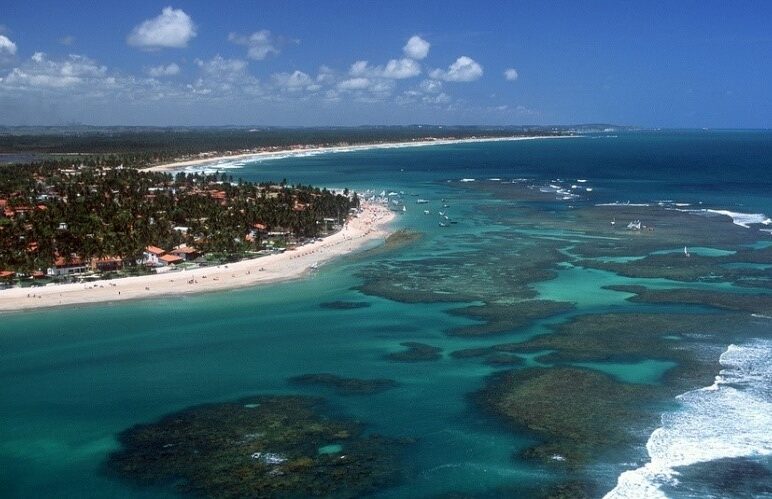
(659, 64)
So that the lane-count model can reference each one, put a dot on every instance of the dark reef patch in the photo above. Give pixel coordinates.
(345, 386)
(416, 352)
(738, 302)
(504, 317)
(633, 337)
(730, 477)
(579, 413)
(263, 446)
(344, 305)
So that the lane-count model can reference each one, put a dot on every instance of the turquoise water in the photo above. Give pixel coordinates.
(72, 379)
(648, 371)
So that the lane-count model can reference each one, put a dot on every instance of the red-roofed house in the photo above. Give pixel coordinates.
(169, 260)
(151, 255)
(107, 264)
(67, 266)
(187, 253)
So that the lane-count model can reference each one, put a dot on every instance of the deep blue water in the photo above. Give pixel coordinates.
(71, 379)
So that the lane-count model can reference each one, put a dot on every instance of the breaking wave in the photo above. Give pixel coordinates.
(729, 419)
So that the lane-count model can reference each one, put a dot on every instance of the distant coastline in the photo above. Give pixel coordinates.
(307, 150)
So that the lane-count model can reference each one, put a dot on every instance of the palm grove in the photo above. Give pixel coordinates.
(50, 211)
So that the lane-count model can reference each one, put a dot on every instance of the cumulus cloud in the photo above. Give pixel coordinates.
(463, 70)
(7, 47)
(223, 77)
(172, 29)
(366, 89)
(295, 81)
(395, 69)
(168, 70)
(511, 74)
(326, 75)
(401, 68)
(260, 44)
(431, 86)
(416, 48)
(41, 72)
(354, 84)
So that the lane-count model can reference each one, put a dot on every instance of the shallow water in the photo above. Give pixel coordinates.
(72, 379)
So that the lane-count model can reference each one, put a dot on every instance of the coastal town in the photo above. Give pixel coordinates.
(83, 223)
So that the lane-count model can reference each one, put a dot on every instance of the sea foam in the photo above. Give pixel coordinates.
(729, 419)
(741, 219)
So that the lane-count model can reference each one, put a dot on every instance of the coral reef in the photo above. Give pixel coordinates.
(263, 446)
(345, 386)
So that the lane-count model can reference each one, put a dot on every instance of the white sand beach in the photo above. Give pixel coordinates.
(309, 151)
(371, 224)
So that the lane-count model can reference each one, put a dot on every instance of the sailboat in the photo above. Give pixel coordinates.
(686, 251)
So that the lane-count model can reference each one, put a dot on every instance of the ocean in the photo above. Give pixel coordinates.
(537, 341)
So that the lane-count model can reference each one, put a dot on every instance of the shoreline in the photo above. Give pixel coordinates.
(371, 224)
(314, 150)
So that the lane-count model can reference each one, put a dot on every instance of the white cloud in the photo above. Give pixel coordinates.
(297, 80)
(396, 69)
(441, 98)
(354, 84)
(219, 66)
(399, 69)
(511, 74)
(431, 86)
(7, 47)
(222, 77)
(416, 48)
(260, 44)
(409, 97)
(464, 69)
(41, 72)
(172, 29)
(367, 89)
(67, 40)
(326, 75)
(168, 70)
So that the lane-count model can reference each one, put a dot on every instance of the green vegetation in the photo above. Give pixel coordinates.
(51, 213)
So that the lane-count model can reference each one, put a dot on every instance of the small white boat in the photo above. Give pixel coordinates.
(421, 201)
(404, 208)
(426, 212)
(686, 251)
(443, 224)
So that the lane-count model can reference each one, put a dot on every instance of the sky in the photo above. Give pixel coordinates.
(330, 62)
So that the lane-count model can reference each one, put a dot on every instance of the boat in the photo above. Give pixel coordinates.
(636, 225)
(404, 208)
(686, 251)
(421, 201)
(426, 212)
(441, 213)
(443, 224)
